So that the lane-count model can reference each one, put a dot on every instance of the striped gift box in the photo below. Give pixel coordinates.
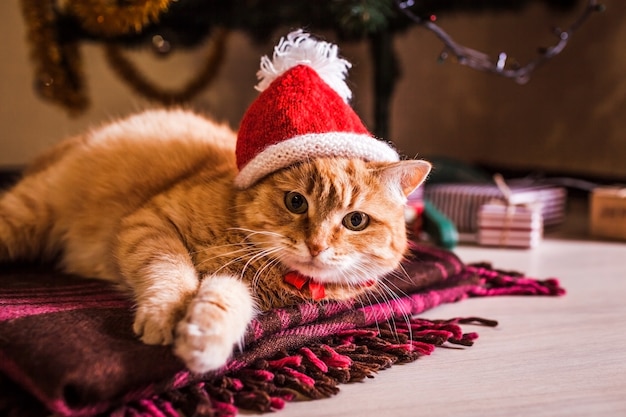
(461, 202)
(510, 226)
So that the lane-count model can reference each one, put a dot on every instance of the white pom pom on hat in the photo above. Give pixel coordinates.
(302, 112)
(299, 48)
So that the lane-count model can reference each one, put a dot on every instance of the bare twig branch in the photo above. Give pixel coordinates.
(483, 62)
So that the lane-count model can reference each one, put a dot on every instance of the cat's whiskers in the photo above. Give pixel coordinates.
(252, 232)
(368, 295)
(394, 297)
(388, 296)
(262, 253)
(251, 255)
(401, 274)
(245, 246)
(249, 252)
(269, 264)
(244, 251)
(398, 294)
(383, 292)
(397, 291)
(208, 248)
(363, 298)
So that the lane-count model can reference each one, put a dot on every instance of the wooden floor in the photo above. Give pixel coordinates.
(563, 356)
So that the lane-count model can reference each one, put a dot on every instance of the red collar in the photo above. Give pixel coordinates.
(317, 290)
(298, 280)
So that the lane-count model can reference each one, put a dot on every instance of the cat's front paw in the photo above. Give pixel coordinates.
(155, 323)
(215, 322)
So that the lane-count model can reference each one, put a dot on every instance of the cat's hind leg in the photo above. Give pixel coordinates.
(26, 221)
(27, 215)
(216, 321)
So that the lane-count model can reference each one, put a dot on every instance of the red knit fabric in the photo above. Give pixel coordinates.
(296, 103)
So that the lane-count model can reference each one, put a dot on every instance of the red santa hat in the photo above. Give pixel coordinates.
(302, 112)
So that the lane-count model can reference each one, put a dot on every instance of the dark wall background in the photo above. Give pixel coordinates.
(571, 116)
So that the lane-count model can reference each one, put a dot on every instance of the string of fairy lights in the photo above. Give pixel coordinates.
(502, 65)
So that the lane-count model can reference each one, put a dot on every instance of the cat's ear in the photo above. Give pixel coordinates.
(408, 175)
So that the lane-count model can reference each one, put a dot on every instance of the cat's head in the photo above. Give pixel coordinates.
(336, 223)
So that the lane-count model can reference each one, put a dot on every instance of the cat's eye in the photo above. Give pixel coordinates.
(356, 221)
(296, 203)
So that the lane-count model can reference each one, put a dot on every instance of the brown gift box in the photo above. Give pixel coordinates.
(608, 212)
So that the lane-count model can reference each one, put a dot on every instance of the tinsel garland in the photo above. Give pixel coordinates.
(56, 57)
(58, 72)
(127, 71)
(54, 31)
(113, 18)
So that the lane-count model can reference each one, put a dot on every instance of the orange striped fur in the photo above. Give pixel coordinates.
(148, 202)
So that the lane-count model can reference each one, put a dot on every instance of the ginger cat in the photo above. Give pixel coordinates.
(148, 202)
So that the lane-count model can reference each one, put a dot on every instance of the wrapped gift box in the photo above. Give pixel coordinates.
(461, 202)
(504, 225)
(608, 212)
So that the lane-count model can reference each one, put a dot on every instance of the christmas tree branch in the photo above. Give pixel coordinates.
(483, 62)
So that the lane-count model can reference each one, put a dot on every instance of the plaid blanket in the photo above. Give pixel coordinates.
(66, 344)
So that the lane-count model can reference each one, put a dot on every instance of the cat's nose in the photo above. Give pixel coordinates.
(316, 248)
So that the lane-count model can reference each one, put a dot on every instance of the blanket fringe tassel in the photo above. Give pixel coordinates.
(315, 371)
(498, 282)
(312, 372)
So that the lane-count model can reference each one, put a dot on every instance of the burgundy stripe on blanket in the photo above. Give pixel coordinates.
(16, 311)
(20, 301)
